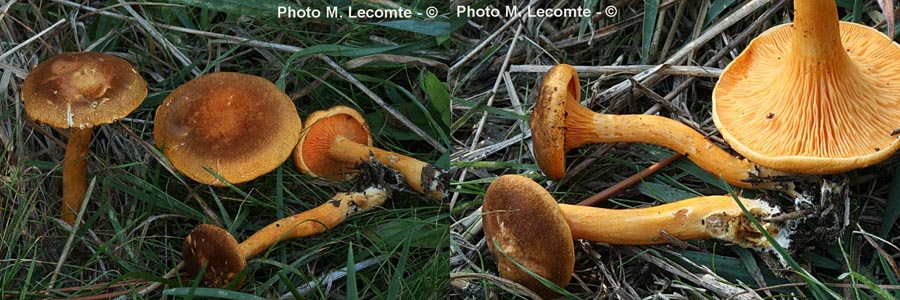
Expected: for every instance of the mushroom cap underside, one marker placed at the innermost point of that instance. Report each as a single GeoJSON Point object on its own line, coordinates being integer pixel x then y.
{"type": "Point", "coordinates": [812, 116]}
{"type": "Point", "coordinates": [560, 84]}
{"type": "Point", "coordinates": [524, 220]}
{"type": "Point", "coordinates": [82, 89]}
{"type": "Point", "coordinates": [214, 247]}
{"type": "Point", "coordinates": [322, 127]}
{"type": "Point", "coordinates": [239, 126]}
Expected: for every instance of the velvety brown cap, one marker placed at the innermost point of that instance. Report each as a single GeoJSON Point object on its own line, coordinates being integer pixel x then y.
{"type": "Point", "coordinates": [525, 221]}
{"type": "Point", "coordinates": [83, 90]}
{"type": "Point", "coordinates": [311, 154]}
{"type": "Point", "coordinates": [548, 119]}
{"type": "Point", "coordinates": [239, 126]}
{"type": "Point", "coordinates": [218, 250]}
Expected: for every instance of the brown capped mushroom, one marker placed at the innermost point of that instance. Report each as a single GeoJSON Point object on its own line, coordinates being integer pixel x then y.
{"type": "Point", "coordinates": [239, 126]}
{"type": "Point", "coordinates": [528, 226]}
{"type": "Point", "coordinates": [336, 139]}
{"type": "Point", "coordinates": [215, 249]}
{"type": "Point", "coordinates": [78, 91]}
{"type": "Point", "coordinates": [816, 96]}
{"type": "Point", "coordinates": [560, 123]}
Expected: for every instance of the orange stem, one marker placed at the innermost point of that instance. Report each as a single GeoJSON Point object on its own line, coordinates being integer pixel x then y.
{"type": "Point", "coordinates": [695, 218]}
{"type": "Point", "coordinates": [420, 176]}
{"type": "Point", "coordinates": [313, 221]}
{"type": "Point", "coordinates": [74, 173]}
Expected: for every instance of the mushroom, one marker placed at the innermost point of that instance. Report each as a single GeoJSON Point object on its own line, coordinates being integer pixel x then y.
{"type": "Point", "coordinates": [336, 139]}
{"type": "Point", "coordinates": [238, 126]}
{"type": "Point", "coordinates": [816, 96]}
{"type": "Point", "coordinates": [560, 123]}
{"type": "Point", "coordinates": [523, 222]}
{"type": "Point", "coordinates": [213, 248]}
{"type": "Point", "coordinates": [78, 91]}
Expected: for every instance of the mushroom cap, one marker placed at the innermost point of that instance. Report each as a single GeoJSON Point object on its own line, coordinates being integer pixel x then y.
{"type": "Point", "coordinates": [528, 225]}
{"type": "Point", "coordinates": [548, 119]}
{"type": "Point", "coordinates": [82, 89]}
{"type": "Point", "coordinates": [239, 126]}
{"type": "Point", "coordinates": [812, 116]}
{"type": "Point", "coordinates": [215, 247]}
{"type": "Point", "coordinates": [311, 154]}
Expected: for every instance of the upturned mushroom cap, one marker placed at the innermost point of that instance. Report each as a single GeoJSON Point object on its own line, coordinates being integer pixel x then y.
{"type": "Point", "coordinates": [549, 116]}
{"type": "Point", "coordinates": [239, 126]}
{"type": "Point", "coordinates": [214, 247]}
{"type": "Point", "coordinates": [814, 96]}
{"type": "Point", "coordinates": [322, 127]}
{"type": "Point", "coordinates": [82, 90]}
{"type": "Point", "coordinates": [526, 222]}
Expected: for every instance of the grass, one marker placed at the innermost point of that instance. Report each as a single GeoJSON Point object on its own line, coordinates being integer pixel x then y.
{"type": "Point", "coordinates": [140, 211]}
{"type": "Point", "coordinates": [490, 114]}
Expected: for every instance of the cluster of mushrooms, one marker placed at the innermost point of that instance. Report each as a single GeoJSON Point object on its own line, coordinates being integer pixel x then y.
{"type": "Point", "coordinates": [814, 97]}
{"type": "Point", "coordinates": [218, 128]}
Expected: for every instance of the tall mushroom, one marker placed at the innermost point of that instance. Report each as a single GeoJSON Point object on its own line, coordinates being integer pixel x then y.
{"type": "Point", "coordinates": [528, 226]}
{"type": "Point", "coordinates": [560, 123]}
{"type": "Point", "coordinates": [816, 96]}
{"type": "Point", "coordinates": [336, 139]}
{"type": "Point", "coordinates": [78, 91]}
{"type": "Point", "coordinates": [213, 248]}
{"type": "Point", "coordinates": [239, 126]}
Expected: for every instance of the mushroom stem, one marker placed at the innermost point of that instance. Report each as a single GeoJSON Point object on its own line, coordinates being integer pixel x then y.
{"type": "Point", "coordinates": [213, 248]}
{"type": "Point", "coordinates": [584, 126]}
{"type": "Point", "coordinates": [74, 173]}
{"type": "Point", "coordinates": [313, 221]}
{"type": "Point", "coordinates": [695, 218]}
{"type": "Point", "coordinates": [420, 176]}
{"type": "Point", "coordinates": [816, 31]}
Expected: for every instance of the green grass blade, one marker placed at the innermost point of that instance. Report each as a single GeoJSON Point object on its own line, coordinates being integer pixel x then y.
{"type": "Point", "coordinates": [651, 9]}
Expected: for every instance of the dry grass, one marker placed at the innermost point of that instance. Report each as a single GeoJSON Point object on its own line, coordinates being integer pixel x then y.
{"type": "Point", "coordinates": [494, 81]}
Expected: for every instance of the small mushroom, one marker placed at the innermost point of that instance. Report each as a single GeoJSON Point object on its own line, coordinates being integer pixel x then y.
{"type": "Point", "coordinates": [337, 139]}
{"type": "Point", "coordinates": [528, 226]}
{"type": "Point", "coordinates": [78, 91]}
{"type": "Point", "coordinates": [560, 123]}
{"type": "Point", "coordinates": [239, 126]}
{"type": "Point", "coordinates": [215, 249]}
{"type": "Point", "coordinates": [817, 96]}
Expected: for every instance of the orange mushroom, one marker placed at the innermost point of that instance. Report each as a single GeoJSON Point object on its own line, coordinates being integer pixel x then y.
{"type": "Point", "coordinates": [239, 126]}
{"type": "Point", "coordinates": [213, 248]}
{"type": "Point", "coordinates": [816, 96]}
{"type": "Point", "coordinates": [337, 139]}
{"type": "Point", "coordinates": [527, 225]}
{"type": "Point", "coordinates": [78, 91]}
{"type": "Point", "coordinates": [560, 123]}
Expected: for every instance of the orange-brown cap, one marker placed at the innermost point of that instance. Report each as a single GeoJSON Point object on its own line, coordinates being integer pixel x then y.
{"type": "Point", "coordinates": [239, 126]}
{"type": "Point", "coordinates": [311, 154]}
{"type": "Point", "coordinates": [816, 96]}
{"type": "Point", "coordinates": [82, 89]}
{"type": "Point", "coordinates": [215, 248]}
{"type": "Point", "coordinates": [526, 222]}
{"type": "Point", "coordinates": [549, 116]}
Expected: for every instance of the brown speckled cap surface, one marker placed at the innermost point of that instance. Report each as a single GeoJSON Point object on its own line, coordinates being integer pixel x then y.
{"type": "Point", "coordinates": [215, 247]}
{"type": "Point", "coordinates": [82, 90]}
{"type": "Point", "coordinates": [239, 126]}
{"type": "Point", "coordinates": [525, 221]}
{"type": "Point", "coordinates": [548, 118]}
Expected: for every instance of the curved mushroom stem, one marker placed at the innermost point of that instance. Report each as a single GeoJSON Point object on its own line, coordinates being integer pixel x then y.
{"type": "Point", "coordinates": [313, 221]}
{"type": "Point", "coordinates": [695, 218]}
{"type": "Point", "coordinates": [74, 173]}
{"type": "Point", "coordinates": [584, 126]}
{"type": "Point", "coordinates": [215, 249]}
{"type": "Point", "coordinates": [420, 176]}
